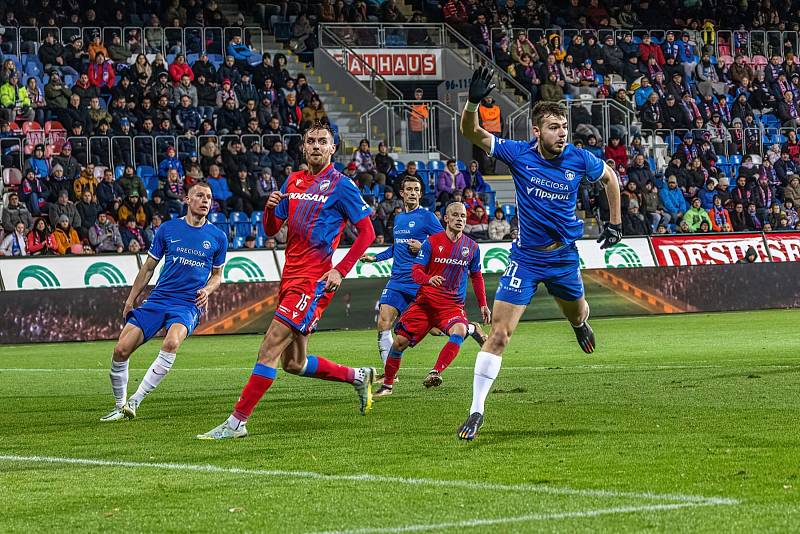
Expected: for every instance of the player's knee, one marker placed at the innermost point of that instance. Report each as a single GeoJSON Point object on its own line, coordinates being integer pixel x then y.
{"type": "Point", "coordinates": [459, 329]}
{"type": "Point", "coordinates": [498, 339]}
{"type": "Point", "coordinates": [170, 344]}
{"type": "Point", "coordinates": [121, 352]}
{"type": "Point", "coordinates": [400, 343]}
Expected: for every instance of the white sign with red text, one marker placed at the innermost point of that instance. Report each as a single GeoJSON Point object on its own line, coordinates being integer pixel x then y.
{"type": "Point", "coordinates": [715, 249]}
{"type": "Point", "coordinates": [395, 64]}
{"type": "Point", "coordinates": [784, 246]}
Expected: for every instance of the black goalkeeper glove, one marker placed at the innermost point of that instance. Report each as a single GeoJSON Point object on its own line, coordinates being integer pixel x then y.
{"type": "Point", "coordinates": [481, 84]}
{"type": "Point", "coordinates": [611, 235]}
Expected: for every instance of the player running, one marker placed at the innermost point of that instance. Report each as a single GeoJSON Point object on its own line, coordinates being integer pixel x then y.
{"type": "Point", "coordinates": [440, 270]}
{"type": "Point", "coordinates": [547, 172]}
{"type": "Point", "coordinates": [194, 252]}
{"type": "Point", "coordinates": [315, 204]}
{"type": "Point", "coordinates": [411, 228]}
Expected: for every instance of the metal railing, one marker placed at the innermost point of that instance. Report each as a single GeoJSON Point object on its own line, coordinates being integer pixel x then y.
{"type": "Point", "coordinates": [439, 131]}
{"type": "Point", "coordinates": [377, 84]}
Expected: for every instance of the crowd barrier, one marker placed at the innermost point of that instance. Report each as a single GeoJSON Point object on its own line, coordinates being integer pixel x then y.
{"type": "Point", "coordinates": [254, 266]}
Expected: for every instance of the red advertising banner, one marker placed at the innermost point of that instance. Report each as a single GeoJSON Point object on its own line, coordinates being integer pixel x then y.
{"type": "Point", "coordinates": [784, 246]}
{"type": "Point", "coordinates": [714, 249]}
{"type": "Point", "coordinates": [394, 64]}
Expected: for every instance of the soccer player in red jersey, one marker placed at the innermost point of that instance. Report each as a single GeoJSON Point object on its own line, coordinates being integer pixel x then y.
{"type": "Point", "coordinates": [316, 204]}
{"type": "Point", "coordinates": [441, 270]}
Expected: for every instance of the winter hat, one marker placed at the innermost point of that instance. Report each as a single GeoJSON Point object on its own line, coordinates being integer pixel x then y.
{"type": "Point", "coordinates": [63, 218]}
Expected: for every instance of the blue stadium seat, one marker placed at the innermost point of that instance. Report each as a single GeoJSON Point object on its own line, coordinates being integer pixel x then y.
{"type": "Point", "coordinates": [238, 242]}
{"type": "Point", "coordinates": [192, 58]}
{"type": "Point", "coordinates": [257, 220]}
{"type": "Point", "coordinates": [399, 166]}
{"type": "Point", "coordinates": [436, 165]}
{"type": "Point", "coordinates": [145, 170]}
{"type": "Point", "coordinates": [339, 166]}
{"type": "Point", "coordinates": [151, 184]}
{"type": "Point", "coordinates": [216, 59]}
{"type": "Point", "coordinates": [118, 170]}
{"type": "Point", "coordinates": [219, 220]}
{"type": "Point", "coordinates": [421, 165]}
{"type": "Point", "coordinates": [260, 241]}
{"type": "Point", "coordinates": [509, 210]}
{"type": "Point", "coordinates": [460, 165]}
{"type": "Point", "coordinates": [241, 224]}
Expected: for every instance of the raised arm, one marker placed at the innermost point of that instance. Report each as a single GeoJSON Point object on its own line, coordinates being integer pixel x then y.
{"type": "Point", "coordinates": [480, 86]}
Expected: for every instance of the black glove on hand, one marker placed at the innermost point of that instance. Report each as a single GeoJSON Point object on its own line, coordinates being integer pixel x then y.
{"type": "Point", "coordinates": [611, 235]}
{"type": "Point", "coordinates": [481, 84]}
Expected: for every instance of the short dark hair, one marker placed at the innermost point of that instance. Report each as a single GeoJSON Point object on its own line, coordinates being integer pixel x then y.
{"type": "Point", "coordinates": [321, 125]}
{"type": "Point", "coordinates": [415, 179]}
{"type": "Point", "coordinates": [542, 109]}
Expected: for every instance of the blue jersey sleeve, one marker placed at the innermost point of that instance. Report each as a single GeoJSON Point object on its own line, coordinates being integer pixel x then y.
{"type": "Point", "coordinates": [424, 256]}
{"type": "Point", "coordinates": [282, 209]}
{"type": "Point", "coordinates": [222, 249]}
{"type": "Point", "coordinates": [434, 225]}
{"type": "Point", "coordinates": [385, 255]}
{"type": "Point", "coordinates": [351, 204]}
{"type": "Point", "coordinates": [507, 150]}
{"type": "Point", "coordinates": [475, 263]}
{"type": "Point", "coordinates": [594, 166]}
{"type": "Point", "coordinates": [159, 246]}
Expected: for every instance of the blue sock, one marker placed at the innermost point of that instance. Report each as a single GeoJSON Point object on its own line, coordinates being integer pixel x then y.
{"type": "Point", "coordinates": [455, 338]}
{"type": "Point", "coordinates": [311, 366]}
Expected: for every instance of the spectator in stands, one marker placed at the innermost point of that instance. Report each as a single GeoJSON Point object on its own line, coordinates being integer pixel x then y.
{"type": "Point", "coordinates": [56, 95]}
{"type": "Point", "coordinates": [371, 191]}
{"type": "Point", "coordinates": [474, 180]}
{"type": "Point", "coordinates": [763, 196]}
{"type": "Point", "coordinates": [244, 191]}
{"type": "Point", "coordinates": [470, 200]}
{"type": "Point", "coordinates": [101, 74]}
{"type": "Point", "coordinates": [265, 186]}
{"type": "Point", "coordinates": [776, 217]}
{"type": "Point", "coordinates": [455, 14]}
{"type": "Point", "coordinates": [787, 110]}
{"type": "Point", "coordinates": [257, 159]}
{"type": "Point", "coordinates": [739, 218]}
{"type": "Point", "coordinates": [291, 114]}
{"type": "Point", "coordinates": [792, 191]}
{"type": "Point", "coordinates": [65, 235]}
{"type": "Point", "coordinates": [157, 207]}
{"type": "Point", "coordinates": [719, 216]}
{"type": "Point", "coordinates": [673, 200]}
{"type": "Point", "coordinates": [384, 163]}
{"type": "Point", "coordinates": [142, 69]}
{"type": "Point", "coordinates": [245, 90]}
{"type": "Point", "coordinates": [418, 121]}
{"type": "Point", "coordinates": [96, 47]}
{"type": "Point", "coordinates": [131, 182]}
{"type": "Point", "coordinates": [491, 119]}
{"type": "Point", "coordinates": [171, 161]}
{"type": "Point", "coordinates": [499, 229]}
{"type": "Point", "coordinates": [240, 53]}
{"type": "Point", "coordinates": [15, 243]}
{"type": "Point", "coordinates": [477, 226]}
{"type": "Point", "coordinates": [450, 180]}
{"type": "Point", "coordinates": [132, 232]}
{"type": "Point", "coordinates": [633, 222]}
{"type": "Point", "coordinates": [411, 170]}
{"type": "Point", "coordinates": [313, 112]}
{"type": "Point", "coordinates": [187, 117]}
{"type": "Point", "coordinates": [39, 240]}
{"type": "Point", "coordinates": [118, 52]}
{"type": "Point", "coordinates": [36, 97]}
{"type": "Point", "coordinates": [363, 158]}
{"type": "Point", "coordinates": [752, 220]}
{"type": "Point", "coordinates": [229, 120]}
{"type": "Point", "coordinates": [33, 192]}
{"type": "Point", "coordinates": [639, 171]}
{"type": "Point", "coordinates": [178, 69]}
{"type": "Point", "coordinates": [616, 151]}
{"type": "Point", "coordinates": [63, 206]}
{"type": "Point", "coordinates": [219, 188]}
{"type": "Point", "coordinates": [502, 55]}
{"type": "Point", "coordinates": [15, 101]}
{"type": "Point", "coordinates": [388, 205]}
{"type": "Point", "coordinates": [173, 190]}
{"type": "Point", "coordinates": [16, 212]}
{"type": "Point", "coordinates": [278, 157]}
{"type": "Point", "coordinates": [88, 210]}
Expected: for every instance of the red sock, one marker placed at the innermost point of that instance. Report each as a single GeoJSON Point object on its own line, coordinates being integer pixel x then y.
{"type": "Point", "coordinates": [260, 381]}
{"type": "Point", "coordinates": [446, 356]}
{"type": "Point", "coordinates": [319, 367]}
{"type": "Point", "coordinates": [391, 367]}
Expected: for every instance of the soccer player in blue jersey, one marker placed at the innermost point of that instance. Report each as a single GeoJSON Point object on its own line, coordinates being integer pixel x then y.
{"type": "Point", "coordinates": [411, 228]}
{"type": "Point", "coordinates": [546, 172]}
{"type": "Point", "coordinates": [194, 252]}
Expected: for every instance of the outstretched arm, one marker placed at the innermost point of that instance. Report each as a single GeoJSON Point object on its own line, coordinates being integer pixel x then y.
{"type": "Point", "coordinates": [480, 87]}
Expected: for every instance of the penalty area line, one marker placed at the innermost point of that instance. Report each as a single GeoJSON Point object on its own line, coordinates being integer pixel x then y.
{"type": "Point", "coordinates": [366, 477]}
{"type": "Point", "coordinates": [472, 523]}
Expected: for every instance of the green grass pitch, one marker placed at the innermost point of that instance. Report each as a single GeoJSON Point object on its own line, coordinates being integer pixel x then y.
{"type": "Point", "coordinates": [677, 423]}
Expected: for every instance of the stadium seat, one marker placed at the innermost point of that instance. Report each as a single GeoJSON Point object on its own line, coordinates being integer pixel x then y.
{"type": "Point", "coordinates": [509, 210]}
{"type": "Point", "coordinates": [118, 170]}
{"type": "Point", "coordinates": [145, 170]}
{"type": "Point", "coordinates": [436, 165]}
{"type": "Point", "coordinates": [31, 126]}
{"type": "Point", "coordinates": [260, 241]}
{"type": "Point", "coordinates": [421, 165]}
{"type": "Point", "coordinates": [238, 242]}
{"type": "Point", "coordinates": [220, 221]}
{"type": "Point", "coordinates": [257, 220]}
{"type": "Point", "coordinates": [151, 184]}
{"type": "Point", "coordinates": [399, 167]}
{"type": "Point", "coordinates": [460, 165]}
{"type": "Point", "coordinates": [241, 224]}
{"type": "Point", "coordinates": [12, 177]}
{"type": "Point", "coordinates": [339, 166]}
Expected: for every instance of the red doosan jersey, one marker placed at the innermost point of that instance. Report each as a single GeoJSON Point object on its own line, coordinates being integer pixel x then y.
{"type": "Point", "coordinates": [452, 260]}
{"type": "Point", "coordinates": [316, 209]}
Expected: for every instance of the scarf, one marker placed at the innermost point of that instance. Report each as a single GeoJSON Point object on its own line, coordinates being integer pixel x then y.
{"type": "Point", "coordinates": [718, 215]}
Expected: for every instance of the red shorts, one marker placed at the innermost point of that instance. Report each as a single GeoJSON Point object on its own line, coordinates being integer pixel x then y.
{"type": "Point", "coordinates": [301, 303]}
{"type": "Point", "coordinates": [422, 315]}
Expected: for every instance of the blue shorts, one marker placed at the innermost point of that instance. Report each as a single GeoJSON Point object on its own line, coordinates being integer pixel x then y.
{"type": "Point", "coordinates": [399, 300]}
{"type": "Point", "coordinates": [152, 317]}
{"type": "Point", "coordinates": [559, 270]}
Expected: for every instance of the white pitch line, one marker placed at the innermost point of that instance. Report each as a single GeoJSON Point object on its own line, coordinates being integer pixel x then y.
{"type": "Point", "coordinates": [470, 523]}
{"type": "Point", "coordinates": [462, 484]}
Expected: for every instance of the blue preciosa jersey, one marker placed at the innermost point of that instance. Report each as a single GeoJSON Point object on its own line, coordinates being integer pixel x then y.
{"type": "Point", "coordinates": [546, 190]}
{"type": "Point", "coordinates": [190, 253]}
{"type": "Point", "coordinates": [418, 224]}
